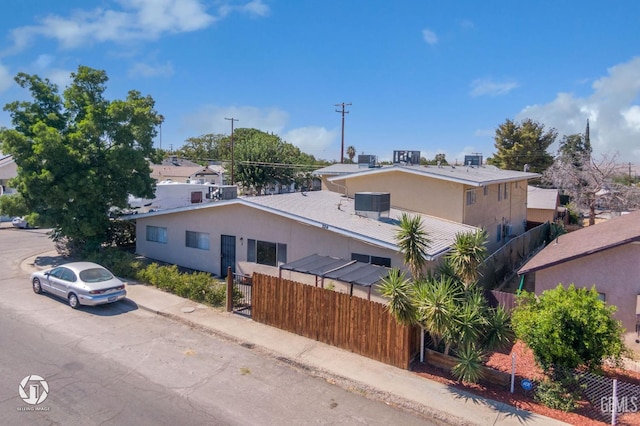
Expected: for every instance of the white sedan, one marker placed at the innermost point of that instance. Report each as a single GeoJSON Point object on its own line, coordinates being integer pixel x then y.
{"type": "Point", "coordinates": [20, 222]}
{"type": "Point", "coordinates": [80, 283]}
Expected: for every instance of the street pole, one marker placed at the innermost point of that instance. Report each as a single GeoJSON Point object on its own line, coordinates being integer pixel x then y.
{"type": "Point", "coordinates": [343, 113]}
{"type": "Point", "coordinates": [232, 160]}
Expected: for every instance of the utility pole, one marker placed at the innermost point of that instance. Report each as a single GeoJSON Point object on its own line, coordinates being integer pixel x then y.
{"type": "Point", "coordinates": [343, 113]}
{"type": "Point", "coordinates": [232, 120]}
{"type": "Point", "coordinates": [161, 119]}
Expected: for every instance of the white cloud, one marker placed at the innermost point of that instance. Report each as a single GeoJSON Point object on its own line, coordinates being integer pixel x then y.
{"type": "Point", "coordinates": [315, 141]}
{"type": "Point", "coordinates": [60, 77]}
{"type": "Point", "coordinates": [612, 110]}
{"type": "Point", "coordinates": [135, 20]}
{"type": "Point", "coordinates": [212, 119]}
{"type": "Point", "coordinates": [6, 79]}
{"type": "Point", "coordinates": [147, 70]}
{"type": "Point", "coordinates": [486, 86]}
{"type": "Point", "coordinates": [429, 36]}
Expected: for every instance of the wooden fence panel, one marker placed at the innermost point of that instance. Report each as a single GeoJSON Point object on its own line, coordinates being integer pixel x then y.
{"type": "Point", "coordinates": [351, 323]}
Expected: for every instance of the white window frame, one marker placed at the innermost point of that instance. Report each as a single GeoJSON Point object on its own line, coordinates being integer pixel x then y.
{"type": "Point", "coordinates": [197, 240]}
{"type": "Point", "coordinates": [156, 234]}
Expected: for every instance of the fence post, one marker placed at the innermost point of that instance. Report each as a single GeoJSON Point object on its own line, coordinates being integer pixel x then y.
{"type": "Point", "coordinates": [614, 405]}
{"type": "Point", "coordinates": [229, 290]}
{"type": "Point", "coordinates": [513, 370]}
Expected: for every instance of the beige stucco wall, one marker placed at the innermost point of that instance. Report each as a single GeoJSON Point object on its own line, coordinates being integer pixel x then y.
{"type": "Point", "coordinates": [614, 272]}
{"type": "Point", "coordinates": [447, 200]}
{"type": "Point", "coordinates": [435, 197]}
{"type": "Point", "coordinates": [245, 223]}
{"type": "Point", "coordinates": [541, 215]}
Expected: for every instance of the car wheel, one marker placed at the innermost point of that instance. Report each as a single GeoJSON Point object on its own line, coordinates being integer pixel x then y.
{"type": "Point", "coordinates": [73, 301]}
{"type": "Point", "coordinates": [37, 288]}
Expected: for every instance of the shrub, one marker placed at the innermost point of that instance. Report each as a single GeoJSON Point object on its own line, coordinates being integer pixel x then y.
{"type": "Point", "coordinates": [470, 364]}
{"type": "Point", "coordinates": [559, 394]}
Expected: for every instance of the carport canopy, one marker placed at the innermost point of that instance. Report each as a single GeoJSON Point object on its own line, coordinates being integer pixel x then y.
{"type": "Point", "coordinates": [348, 271]}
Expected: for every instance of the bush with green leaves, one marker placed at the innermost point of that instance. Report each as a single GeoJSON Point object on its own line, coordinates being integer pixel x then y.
{"type": "Point", "coordinates": [568, 327]}
{"type": "Point", "coordinates": [560, 394]}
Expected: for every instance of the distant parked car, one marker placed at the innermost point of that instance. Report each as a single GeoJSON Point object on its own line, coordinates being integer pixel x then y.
{"type": "Point", "coordinates": [20, 222]}
{"type": "Point", "coordinates": [80, 283]}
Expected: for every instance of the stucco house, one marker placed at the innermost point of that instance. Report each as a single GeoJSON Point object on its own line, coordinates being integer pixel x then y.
{"type": "Point", "coordinates": [480, 196]}
{"type": "Point", "coordinates": [542, 205]}
{"type": "Point", "coordinates": [180, 170]}
{"type": "Point", "coordinates": [604, 255]}
{"type": "Point", "coordinates": [260, 233]}
{"type": "Point", "coordinates": [8, 170]}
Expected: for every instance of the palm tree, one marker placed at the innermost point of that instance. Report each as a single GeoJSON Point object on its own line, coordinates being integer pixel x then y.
{"type": "Point", "coordinates": [351, 152]}
{"type": "Point", "coordinates": [437, 301]}
{"type": "Point", "coordinates": [467, 254]}
{"type": "Point", "coordinates": [413, 244]}
{"type": "Point", "coordinates": [400, 293]}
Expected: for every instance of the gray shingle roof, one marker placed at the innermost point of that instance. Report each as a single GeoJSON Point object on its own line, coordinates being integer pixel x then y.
{"type": "Point", "coordinates": [472, 175]}
{"type": "Point", "coordinates": [602, 236]}
{"type": "Point", "coordinates": [338, 213]}
{"type": "Point", "coordinates": [320, 209]}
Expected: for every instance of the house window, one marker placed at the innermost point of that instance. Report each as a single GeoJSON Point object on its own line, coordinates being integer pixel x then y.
{"type": "Point", "coordinates": [157, 234]}
{"type": "Point", "coordinates": [471, 196]}
{"type": "Point", "coordinates": [499, 192]}
{"type": "Point", "coordinates": [266, 253]}
{"type": "Point", "coordinates": [506, 193]}
{"type": "Point", "coordinates": [199, 240]}
{"type": "Point", "coordinates": [499, 233]}
{"type": "Point", "coordinates": [602, 296]}
{"type": "Point", "coordinates": [374, 260]}
{"type": "Point", "coordinates": [196, 197]}
{"type": "Point", "coordinates": [485, 190]}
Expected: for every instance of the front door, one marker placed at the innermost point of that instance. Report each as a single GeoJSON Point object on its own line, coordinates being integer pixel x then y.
{"type": "Point", "coordinates": [228, 254]}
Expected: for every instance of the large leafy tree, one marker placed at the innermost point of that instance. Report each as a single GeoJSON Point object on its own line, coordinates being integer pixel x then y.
{"type": "Point", "coordinates": [524, 143]}
{"type": "Point", "coordinates": [568, 327]}
{"type": "Point", "coordinates": [206, 147]}
{"type": "Point", "coordinates": [79, 154]}
{"type": "Point", "coordinates": [262, 158]}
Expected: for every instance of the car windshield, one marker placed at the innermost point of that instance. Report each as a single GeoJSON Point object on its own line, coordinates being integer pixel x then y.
{"type": "Point", "coordinates": [95, 275]}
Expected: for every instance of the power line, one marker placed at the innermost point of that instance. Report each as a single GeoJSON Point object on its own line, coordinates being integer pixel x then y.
{"type": "Point", "coordinates": [343, 113]}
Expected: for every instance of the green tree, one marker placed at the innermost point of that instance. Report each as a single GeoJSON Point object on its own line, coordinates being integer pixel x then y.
{"type": "Point", "coordinates": [262, 159]}
{"type": "Point", "coordinates": [467, 254]}
{"type": "Point", "coordinates": [521, 144]}
{"type": "Point", "coordinates": [568, 327]}
{"type": "Point", "coordinates": [206, 147]}
{"type": "Point", "coordinates": [79, 154]}
{"type": "Point", "coordinates": [351, 153]}
{"type": "Point", "coordinates": [413, 243]}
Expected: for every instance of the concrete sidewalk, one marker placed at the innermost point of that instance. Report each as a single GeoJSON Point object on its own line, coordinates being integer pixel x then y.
{"type": "Point", "coordinates": [372, 378]}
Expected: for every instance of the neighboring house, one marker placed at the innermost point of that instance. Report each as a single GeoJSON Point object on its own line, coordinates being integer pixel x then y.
{"type": "Point", "coordinates": [185, 171]}
{"type": "Point", "coordinates": [480, 196]}
{"type": "Point", "coordinates": [8, 170]}
{"type": "Point", "coordinates": [542, 205]}
{"type": "Point", "coordinates": [170, 195]}
{"type": "Point", "coordinates": [604, 255]}
{"type": "Point", "coordinates": [261, 233]}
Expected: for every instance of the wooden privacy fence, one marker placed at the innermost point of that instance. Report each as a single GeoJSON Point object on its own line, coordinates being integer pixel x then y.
{"type": "Point", "coordinates": [351, 323]}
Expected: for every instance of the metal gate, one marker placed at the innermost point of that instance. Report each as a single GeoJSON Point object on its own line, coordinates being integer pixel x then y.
{"type": "Point", "coordinates": [242, 294]}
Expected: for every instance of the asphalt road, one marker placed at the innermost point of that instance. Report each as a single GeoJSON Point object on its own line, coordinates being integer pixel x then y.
{"type": "Point", "coordinates": [119, 365]}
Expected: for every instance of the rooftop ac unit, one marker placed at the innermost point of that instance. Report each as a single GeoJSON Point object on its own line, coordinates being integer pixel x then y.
{"type": "Point", "coordinates": [373, 204]}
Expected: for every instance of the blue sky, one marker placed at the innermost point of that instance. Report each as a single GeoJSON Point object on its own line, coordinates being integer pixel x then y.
{"type": "Point", "coordinates": [437, 77]}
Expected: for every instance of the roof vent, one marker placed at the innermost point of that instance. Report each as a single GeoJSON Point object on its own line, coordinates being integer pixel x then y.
{"type": "Point", "coordinates": [373, 205]}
